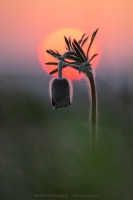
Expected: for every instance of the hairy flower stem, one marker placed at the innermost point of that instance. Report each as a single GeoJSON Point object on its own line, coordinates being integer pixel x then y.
{"type": "Point", "coordinates": [93, 112]}
{"type": "Point", "coordinates": [60, 65]}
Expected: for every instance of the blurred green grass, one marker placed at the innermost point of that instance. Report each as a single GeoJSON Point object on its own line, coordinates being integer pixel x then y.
{"type": "Point", "coordinates": [45, 151]}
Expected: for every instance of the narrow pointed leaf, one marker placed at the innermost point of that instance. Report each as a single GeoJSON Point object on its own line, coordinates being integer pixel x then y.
{"type": "Point", "coordinates": [51, 52]}
{"type": "Point", "coordinates": [80, 49]}
{"type": "Point", "coordinates": [93, 57]}
{"type": "Point", "coordinates": [78, 52]}
{"type": "Point", "coordinates": [83, 36]}
{"type": "Point", "coordinates": [92, 38]}
{"type": "Point", "coordinates": [47, 51]}
{"type": "Point", "coordinates": [55, 55]}
{"type": "Point", "coordinates": [84, 41]}
{"type": "Point", "coordinates": [51, 63]}
{"type": "Point", "coordinates": [70, 44]}
{"type": "Point", "coordinates": [79, 42]}
{"type": "Point", "coordinates": [57, 51]}
{"type": "Point", "coordinates": [66, 40]}
{"type": "Point", "coordinates": [56, 70]}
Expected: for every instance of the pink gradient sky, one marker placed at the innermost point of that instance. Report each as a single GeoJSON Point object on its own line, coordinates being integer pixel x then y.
{"type": "Point", "coordinates": [23, 24]}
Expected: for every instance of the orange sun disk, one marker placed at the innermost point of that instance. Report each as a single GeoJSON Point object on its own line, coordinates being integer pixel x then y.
{"type": "Point", "coordinates": [55, 41]}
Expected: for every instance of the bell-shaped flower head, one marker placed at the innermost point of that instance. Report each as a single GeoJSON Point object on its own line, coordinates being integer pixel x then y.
{"type": "Point", "coordinates": [60, 93]}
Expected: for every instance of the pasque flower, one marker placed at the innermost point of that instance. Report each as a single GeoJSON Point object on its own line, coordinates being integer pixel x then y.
{"type": "Point", "coordinates": [79, 60]}
{"type": "Point", "coordinates": [60, 90]}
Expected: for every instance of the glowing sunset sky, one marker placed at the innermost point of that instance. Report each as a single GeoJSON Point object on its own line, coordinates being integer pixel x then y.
{"type": "Point", "coordinates": [23, 24]}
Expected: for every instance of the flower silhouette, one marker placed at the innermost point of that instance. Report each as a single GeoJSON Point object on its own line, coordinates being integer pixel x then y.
{"type": "Point", "coordinates": [60, 93]}
{"type": "Point", "coordinates": [79, 60]}
{"type": "Point", "coordinates": [60, 90]}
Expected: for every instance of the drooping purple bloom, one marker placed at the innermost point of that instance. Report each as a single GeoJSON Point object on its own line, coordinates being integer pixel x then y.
{"type": "Point", "coordinates": [60, 93]}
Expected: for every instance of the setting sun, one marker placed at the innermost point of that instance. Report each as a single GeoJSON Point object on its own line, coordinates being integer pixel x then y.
{"type": "Point", "coordinates": [55, 41]}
